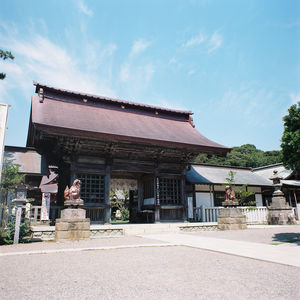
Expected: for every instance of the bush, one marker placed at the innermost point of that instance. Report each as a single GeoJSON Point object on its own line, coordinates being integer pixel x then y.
{"type": "Point", "coordinates": [125, 214]}
{"type": "Point", "coordinates": [7, 234]}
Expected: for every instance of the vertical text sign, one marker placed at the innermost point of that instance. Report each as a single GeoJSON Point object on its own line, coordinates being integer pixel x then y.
{"type": "Point", "coordinates": [45, 206]}
{"type": "Point", "coordinates": [157, 192]}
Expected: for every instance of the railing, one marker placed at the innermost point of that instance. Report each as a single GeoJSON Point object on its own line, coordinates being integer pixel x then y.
{"type": "Point", "coordinates": [254, 215]}
{"type": "Point", "coordinates": [35, 213]}
{"type": "Point", "coordinates": [96, 214]}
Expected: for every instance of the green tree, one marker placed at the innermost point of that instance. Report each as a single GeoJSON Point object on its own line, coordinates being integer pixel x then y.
{"type": "Point", "coordinates": [242, 194]}
{"type": "Point", "coordinates": [291, 139]}
{"type": "Point", "coordinates": [10, 178]}
{"type": "Point", "coordinates": [243, 156]}
{"type": "Point", "coordinates": [5, 55]}
{"type": "Point", "coordinates": [120, 203]}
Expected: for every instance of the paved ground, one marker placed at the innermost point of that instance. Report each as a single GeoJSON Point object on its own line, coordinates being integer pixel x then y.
{"type": "Point", "coordinates": [145, 273]}
{"type": "Point", "coordinates": [163, 272]}
{"type": "Point", "coordinates": [89, 244]}
{"type": "Point", "coordinates": [273, 235]}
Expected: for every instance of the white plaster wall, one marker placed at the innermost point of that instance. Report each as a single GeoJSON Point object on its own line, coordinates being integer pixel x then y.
{"type": "Point", "coordinates": [203, 199]}
{"type": "Point", "coordinates": [258, 199]}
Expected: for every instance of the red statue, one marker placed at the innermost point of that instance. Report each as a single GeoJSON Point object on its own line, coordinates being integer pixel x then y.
{"type": "Point", "coordinates": [72, 195]}
{"type": "Point", "coordinates": [230, 194]}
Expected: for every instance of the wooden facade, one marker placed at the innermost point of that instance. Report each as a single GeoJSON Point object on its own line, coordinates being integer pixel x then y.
{"type": "Point", "coordinates": [96, 139]}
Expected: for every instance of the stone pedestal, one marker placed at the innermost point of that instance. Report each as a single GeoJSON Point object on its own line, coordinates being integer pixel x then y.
{"type": "Point", "coordinates": [73, 225]}
{"type": "Point", "coordinates": [231, 218]}
{"type": "Point", "coordinates": [280, 213]}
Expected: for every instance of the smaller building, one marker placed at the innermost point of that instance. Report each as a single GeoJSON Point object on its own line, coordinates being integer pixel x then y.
{"type": "Point", "coordinates": [290, 184]}
{"type": "Point", "coordinates": [30, 163]}
{"type": "Point", "coordinates": [206, 184]}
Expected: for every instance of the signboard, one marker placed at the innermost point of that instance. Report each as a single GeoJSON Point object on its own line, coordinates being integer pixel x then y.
{"type": "Point", "coordinates": [3, 125]}
{"type": "Point", "coordinates": [45, 210]}
{"type": "Point", "coordinates": [157, 192]}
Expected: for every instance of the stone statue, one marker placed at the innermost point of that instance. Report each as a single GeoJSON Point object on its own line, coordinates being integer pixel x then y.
{"type": "Point", "coordinates": [72, 195]}
{"type": "Point", "coordinates": [72, 224]}
{"type": "Point", "coordinates": [230, 216]}
{"type": "Point", "coordinates": [230, 194]}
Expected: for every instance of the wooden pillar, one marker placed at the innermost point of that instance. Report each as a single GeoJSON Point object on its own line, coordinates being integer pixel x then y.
{"type": "Point", "coordinates": [107, 213]}
{"type": "Point", "coordinates": [183, 198]}
{"type": "Point", "coordinates": [157, 198]}
{"type": "Point", "coordinates": [140, 193]}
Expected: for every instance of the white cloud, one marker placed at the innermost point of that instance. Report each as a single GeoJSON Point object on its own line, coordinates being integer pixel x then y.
{"type": "Point", "coordinates": [84, 9]}
{"type": "Point", "coordinates": [136, 72]}
{"type": "Point", "coordinates": [211, 43]}
{"type": "Point", "coordinates": [38, 58]}
{"type": "Point", "coordinates": [149, 71]}
{"type": "Point", "coordinates": [194, 41]}
{"type": "Point", "coordinates": [124, 72]}
{"type": "Point", "coordinates": [173, 60]}
{"type": "Point", "coordinates": [295, 98]}
{"type": "Point", "coordinates": [215, 42]}
{"type": "Point", "coordinates": [191, 72]}
{"type": "Point", "coordinates": [139, 46]}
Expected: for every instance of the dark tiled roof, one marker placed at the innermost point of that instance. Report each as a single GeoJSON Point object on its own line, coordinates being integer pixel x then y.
{"type": "Point", "coordinates": [28, 160]}
{"type": "Point", "coordinates": [204, 174]}
{"type": "Point", "coordinates": [107, 99]}
{"type": "Point", "coordinates": [64, 112]}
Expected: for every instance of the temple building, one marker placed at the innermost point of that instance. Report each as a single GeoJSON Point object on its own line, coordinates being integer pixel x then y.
{"type": "Point", "coordinates": [104, 142]}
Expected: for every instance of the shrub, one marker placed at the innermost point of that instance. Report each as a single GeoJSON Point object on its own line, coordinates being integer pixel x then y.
{"type": "Point", "coordinates": [7, 234]}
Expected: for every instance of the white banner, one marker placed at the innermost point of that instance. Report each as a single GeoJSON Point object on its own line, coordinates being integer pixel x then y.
{"type": "Point", "coordinates": [3, 125]}
{"type": "Point", "coordinates": [45, 206]}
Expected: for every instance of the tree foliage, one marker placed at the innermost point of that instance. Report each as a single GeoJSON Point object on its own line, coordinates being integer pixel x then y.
{"type": "Point", "coordinates": [10, 178]}
{"type": "Point", "coordinates": [291, 138]}
{"type": "Point", "coordinates": [119, 200]}
{"type": "Point", "coordinates": [243, 195]}
{"type": "Point", "coordinates": [243, 156]}
{"type": "Point", "coordinates": [5, 55]}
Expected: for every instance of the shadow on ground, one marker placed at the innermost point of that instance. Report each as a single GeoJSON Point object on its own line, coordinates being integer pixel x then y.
{"type": "Point", "coordinates": [287, 237]}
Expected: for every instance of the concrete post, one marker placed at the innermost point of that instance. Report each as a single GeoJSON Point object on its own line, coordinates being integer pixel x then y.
{"type": "Point", "coordinates": [19, 203]}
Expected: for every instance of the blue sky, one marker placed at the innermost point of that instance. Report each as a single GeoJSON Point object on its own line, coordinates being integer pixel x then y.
{"type": "Point", "coordinates": [235, 64]}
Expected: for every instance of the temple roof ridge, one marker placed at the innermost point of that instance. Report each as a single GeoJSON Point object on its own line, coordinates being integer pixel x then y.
{"type": "Point", "coordinates": [110, 99]}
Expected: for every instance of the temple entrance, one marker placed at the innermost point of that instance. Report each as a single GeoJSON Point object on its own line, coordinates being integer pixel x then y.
{"type": "Point", "coordinates": [123, 200]}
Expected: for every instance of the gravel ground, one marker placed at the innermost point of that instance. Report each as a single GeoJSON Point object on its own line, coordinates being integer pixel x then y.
{"type": "Point", "coordinates": [101, 242]}
{"type": "Point", "coordinates": [145, 273]}
{"type": "Point", "coordinates": [275, 235]}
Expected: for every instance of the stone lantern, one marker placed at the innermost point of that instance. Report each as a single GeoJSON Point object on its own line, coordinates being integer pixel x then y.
{"type": "Point", "coordinates": [20, 200]}
{"type": "Point", "coordinates": [280, 212]}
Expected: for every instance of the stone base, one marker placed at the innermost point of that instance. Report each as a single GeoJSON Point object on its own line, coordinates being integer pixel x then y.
{"type": "Point", "coordinates": [230, 203]}
{"type": "Point", "coordinates": [231, 219]}
{"type": "Point", "coordinates": [280, 213]}
{"type": "Point", "coordinates": [75, 203]}
{"type": "Point", "coordinates": [281, 217]}
{"type": "Point", "coordinates": [73, 214]}
{"type": "Point", "coordinates": [73, 225]}
{"type": "Point", "coordinates": [72, 229]}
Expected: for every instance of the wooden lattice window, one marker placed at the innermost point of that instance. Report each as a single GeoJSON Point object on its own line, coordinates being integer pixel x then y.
{"type": "Point", "coordinates": [92, 188]}
{"type": "Point", "coordinates": [170, 191]}
{"type": "Point", "coordinates": [149, 188]}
